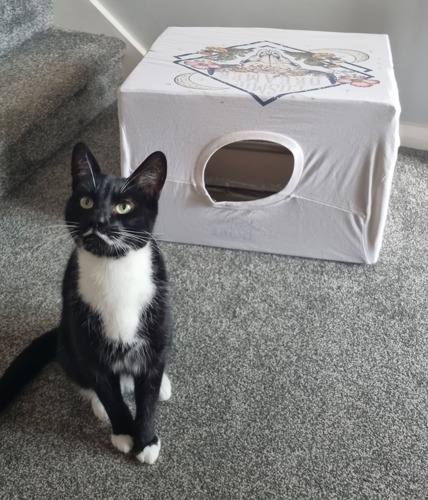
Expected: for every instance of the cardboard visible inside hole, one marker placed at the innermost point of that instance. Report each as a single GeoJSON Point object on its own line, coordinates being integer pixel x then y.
{"type": "Point", "coordinates": [248, 170]}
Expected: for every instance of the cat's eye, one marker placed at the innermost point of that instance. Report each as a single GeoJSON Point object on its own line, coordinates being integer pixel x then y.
{"type": "Point", "coordinates": [86, 202]}
{"type": "Point", "coordinates": [123, 208]}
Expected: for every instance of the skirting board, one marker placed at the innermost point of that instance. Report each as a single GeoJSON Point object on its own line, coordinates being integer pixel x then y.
{"type": "Point", "coordinates": [414, 135]}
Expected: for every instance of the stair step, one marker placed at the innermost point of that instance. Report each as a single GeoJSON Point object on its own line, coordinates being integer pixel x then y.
{"type": "Point", "coordinates": [21, 19]}
{"type": "Point", "coordinates": [55, 65]}
{"type": "Point", "coordinates": [50, 87]}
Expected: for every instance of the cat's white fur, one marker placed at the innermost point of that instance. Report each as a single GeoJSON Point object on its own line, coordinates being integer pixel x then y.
{"type": "Point", "coordinates": [118, 289]}
{"type": "Point", "coordinates": [127, 386]}
{"type": "Point", "coordinates": [104, 237]}
{"type": "Point", "coordinates": [123, 442]}
{"type": "Point", "coordinates": [98, 409]}
{"type": "Point", "coordinates": [150, 453]}
{"type": "Point", "coordinates": [165, 388]}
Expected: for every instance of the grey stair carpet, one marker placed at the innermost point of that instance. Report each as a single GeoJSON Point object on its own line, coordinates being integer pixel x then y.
{"type": "Point", "coordinates": [21, 19]}
{"type": "Point", "coordinates": [51, 85]}
{"type": "Point", "coordinates": [292, 378]}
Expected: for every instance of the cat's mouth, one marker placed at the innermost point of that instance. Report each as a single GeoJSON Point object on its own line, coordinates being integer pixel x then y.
{"type": "Point", "coordinates": [94, 234]}
{"type": "Point", "coordinates": [97, 242]}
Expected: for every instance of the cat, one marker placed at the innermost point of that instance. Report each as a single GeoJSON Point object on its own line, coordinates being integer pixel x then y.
{"type": "Point", "coordinates": [116, 327]}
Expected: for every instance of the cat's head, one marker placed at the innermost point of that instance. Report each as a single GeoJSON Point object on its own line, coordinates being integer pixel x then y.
{"type": "Point", "coordinates": [109, 216]}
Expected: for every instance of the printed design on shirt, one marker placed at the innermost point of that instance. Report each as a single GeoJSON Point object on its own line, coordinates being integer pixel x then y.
{"type": "Point", "coordinates": [268, 70]}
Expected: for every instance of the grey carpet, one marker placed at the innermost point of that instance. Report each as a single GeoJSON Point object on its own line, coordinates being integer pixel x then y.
{"type": "Point", "coordinates": [21, 19]}
{"type": "Point", "coordinates": [291, 378]}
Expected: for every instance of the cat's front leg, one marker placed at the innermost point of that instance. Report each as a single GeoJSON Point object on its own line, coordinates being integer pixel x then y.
{"type": "Point", "coordinates": [146, 443]}
{"type": "Point", "coordinates": [110, 395]}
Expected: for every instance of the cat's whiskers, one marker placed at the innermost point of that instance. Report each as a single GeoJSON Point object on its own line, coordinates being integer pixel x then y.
{"type": "Point", "coordinates": [62, 224]}
{"type": "Point", "coordinates": [54, 226]}
{"type": "Point", "coordinates": [135, 236]}
{"type": "Point", "coordinates": [135, 241]}
{"type": "Point", "coordinates": [119, 245]}
{"type": "Point", "coordinates": [152, 235]}
{"type": "Point", "coordinates": [36, 251]}
{"type": "Point", "coordinates": [90, 168]}
{"type": "Point", "coordinates": [68, 227]}
{"type": "Point", "coordinates": [117, 240]}
{"type": "Point", "coordinates": [127, 185]}
{"type": "Point", "coordinates": [53, 240]}
{"type": "Point", "coordinates": [143, 232]}
{"type": "Point", "coordinates": [132, 233]}
{"type": "Point", "coordinates": [126, 246]}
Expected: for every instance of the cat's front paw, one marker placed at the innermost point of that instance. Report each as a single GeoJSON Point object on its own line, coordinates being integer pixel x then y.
{"type": "Point", "coordinates": [150, 453]}
{"type": "Point", "coordinates": [122, 442]}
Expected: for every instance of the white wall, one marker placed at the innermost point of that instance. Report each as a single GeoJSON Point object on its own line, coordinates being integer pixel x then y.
{"type": "Point", "coordinates": [82, 15]}
{"type": "Point", "coordinates": [405, 21]}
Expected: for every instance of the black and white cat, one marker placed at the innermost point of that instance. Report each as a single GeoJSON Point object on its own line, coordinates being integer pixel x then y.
{"type": "Point", "coordinates": [116, 324]}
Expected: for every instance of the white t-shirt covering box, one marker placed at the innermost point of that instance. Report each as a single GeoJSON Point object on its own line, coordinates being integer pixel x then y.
{"type": "Point", "coordinates": [330, 100]}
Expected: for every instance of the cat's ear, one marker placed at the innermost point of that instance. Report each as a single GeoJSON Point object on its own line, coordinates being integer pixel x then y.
{"type": "Point", "coordinates": [83, 165]}
{"type": "Point", "coordinates": [150, 175]}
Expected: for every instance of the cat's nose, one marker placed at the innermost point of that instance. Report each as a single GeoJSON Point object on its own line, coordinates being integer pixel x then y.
{"type": "Point", "coordinates": [101, 224]}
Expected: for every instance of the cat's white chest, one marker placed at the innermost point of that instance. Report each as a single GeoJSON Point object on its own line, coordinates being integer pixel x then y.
{"type": "Point", "coordinates": [118, 289]}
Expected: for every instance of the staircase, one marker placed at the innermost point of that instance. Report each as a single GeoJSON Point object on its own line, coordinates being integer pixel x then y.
{"type": "Point", "coordinates": [52, 83]}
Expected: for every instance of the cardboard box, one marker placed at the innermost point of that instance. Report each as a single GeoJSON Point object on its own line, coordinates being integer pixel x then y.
{"type": "Point", "coordinates": [277, 141]}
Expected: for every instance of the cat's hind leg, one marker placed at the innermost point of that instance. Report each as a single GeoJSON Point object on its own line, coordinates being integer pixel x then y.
{"type": "Point", "coordinates": [99, 410]}
{"type": "Point", "coordinates": [165, 388]}
{"type": "Point", "coordinates": [97, 406]}
{"type": "Point", "coordinates": [127, 386]}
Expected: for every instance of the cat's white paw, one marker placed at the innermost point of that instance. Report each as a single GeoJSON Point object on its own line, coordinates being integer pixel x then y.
{"type": "Point", "coordinates": [165, 389]}
{"type": "Point", "coordinates": [99, 410]}
{"type": "Point", "coordinates": [122, 442]}
{"type": "Point", "coordinates": [150, 453]}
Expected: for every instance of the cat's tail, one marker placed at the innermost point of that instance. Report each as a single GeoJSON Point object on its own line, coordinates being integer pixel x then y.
{"type": "Point", "coordinates": [26, 366]}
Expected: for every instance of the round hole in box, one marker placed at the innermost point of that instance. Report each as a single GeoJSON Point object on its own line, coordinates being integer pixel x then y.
{"type": "Point", "coordinates": [248, 170]}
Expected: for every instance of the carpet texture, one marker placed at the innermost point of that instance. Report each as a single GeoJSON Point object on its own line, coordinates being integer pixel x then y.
{"type": "Point", "coordinates": [20, 19]}
{"type": "Point", "coordinates": [291, 378]}
{"type": "Point", "coordinates": [48, 77]}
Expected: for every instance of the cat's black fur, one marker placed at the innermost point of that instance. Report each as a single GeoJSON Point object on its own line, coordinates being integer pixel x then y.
{"type": "Point", "coordinates": [89, 358]}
